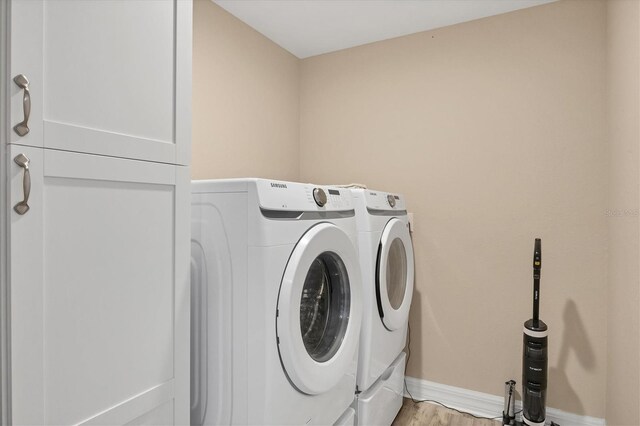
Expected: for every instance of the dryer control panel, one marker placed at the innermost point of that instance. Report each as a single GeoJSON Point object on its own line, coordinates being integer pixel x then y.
{"type": "Point", "coordinates": [377, 200]}
{"type": "Point", "coordinates": [293, 196]}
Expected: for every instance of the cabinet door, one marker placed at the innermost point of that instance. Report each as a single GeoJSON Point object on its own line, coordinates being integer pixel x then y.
{"type": "Point", "coordinates": [99, 290]}
{"type": "Point", "coordinates": [105, 77]}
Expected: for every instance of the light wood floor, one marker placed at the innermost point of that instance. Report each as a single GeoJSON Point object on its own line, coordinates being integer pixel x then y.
{"type": "Point", "coordinates": [426, 414]}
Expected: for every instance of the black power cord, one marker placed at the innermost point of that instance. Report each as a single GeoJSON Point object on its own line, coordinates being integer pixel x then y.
{"type": "Point", "coordinates": [415, 401]}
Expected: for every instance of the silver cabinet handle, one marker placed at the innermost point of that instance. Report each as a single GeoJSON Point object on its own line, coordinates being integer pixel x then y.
{"type": "Point", "coordinates": [22, 128]}
{"type": "Point", "coordinates": [22, 207]}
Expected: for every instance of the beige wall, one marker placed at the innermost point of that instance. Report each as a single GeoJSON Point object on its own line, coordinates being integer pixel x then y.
{"type": "Point", "coordinates": [495, 130]}
{"type": "Point", "coordinates": [623, 346]}
{"type": "Point", "coordinates": [245, 100]}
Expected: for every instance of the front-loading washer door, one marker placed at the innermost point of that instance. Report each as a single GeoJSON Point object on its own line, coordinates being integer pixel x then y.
{"type": "Point", "coordinates": [319, 309]}
{"type": "Point", "coordinates": [394, 274]}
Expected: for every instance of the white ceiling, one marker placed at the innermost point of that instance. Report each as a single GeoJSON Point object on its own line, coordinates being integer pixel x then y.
{"type": "Point", "coordinates": [312, 27]}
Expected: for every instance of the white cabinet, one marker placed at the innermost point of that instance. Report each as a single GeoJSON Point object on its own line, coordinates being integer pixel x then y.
{"type": "Point", "coordinates": [98, 281]}
{"type": "Point", "coordinates": [109, 77]}
{"type": "Point", "coordinates": [99, 289]}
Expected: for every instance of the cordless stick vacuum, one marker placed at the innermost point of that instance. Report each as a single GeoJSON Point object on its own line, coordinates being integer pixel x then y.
{"type": "Point", "coordinates": [534, 354]}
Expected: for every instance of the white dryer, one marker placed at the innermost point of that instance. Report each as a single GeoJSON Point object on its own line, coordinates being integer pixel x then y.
{"type": "Point", "coordinates": [276, 303]}
{"type": "Point", "coordinates": [387, 263]}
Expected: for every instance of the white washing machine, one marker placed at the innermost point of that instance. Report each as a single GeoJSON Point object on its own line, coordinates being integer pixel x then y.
{"type": "Point", "coordinates": [276, 303]}
{"type": "Point", "coordinates": [387, 263]}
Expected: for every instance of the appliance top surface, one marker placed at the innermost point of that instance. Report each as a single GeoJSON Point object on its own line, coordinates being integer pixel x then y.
{"type": "Point", "coordinates": [380, 201]}
{"type": "Point", "coordinates": [220, 185]}
{"type": "Point", "coordinates": [282, 195]}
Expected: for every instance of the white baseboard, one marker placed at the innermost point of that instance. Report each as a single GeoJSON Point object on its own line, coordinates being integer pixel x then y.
{"type": "Point", "coordinates": [484, 404]}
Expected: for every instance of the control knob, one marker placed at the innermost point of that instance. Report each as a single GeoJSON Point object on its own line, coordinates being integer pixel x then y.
{"type": "Point", "coordinates": [391, 200]}
{"type": "Point", "coordinates": [319, 196]}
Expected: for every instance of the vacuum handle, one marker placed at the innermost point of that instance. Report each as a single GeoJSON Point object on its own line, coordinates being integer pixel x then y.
{"type": "Point", "coordinates": [537, 266]}
{"type": "Point", "coordinates": [537, 257]}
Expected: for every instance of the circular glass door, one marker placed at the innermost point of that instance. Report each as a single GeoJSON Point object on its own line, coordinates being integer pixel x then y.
{"type": "Point", "coordinates": [324, 306]}
{"type": "Point", "coordinates": [319, 309]}
{"type": "Point", "coordinates": [394, 275]}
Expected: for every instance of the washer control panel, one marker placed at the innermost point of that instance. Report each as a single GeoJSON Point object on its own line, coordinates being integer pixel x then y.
{"type": "Point", "coordinates": [293, 196]}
